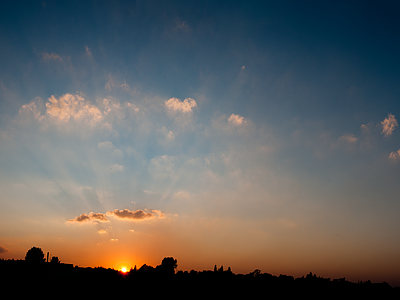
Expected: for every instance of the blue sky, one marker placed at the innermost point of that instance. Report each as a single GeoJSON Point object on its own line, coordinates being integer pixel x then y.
{"type": "Point", "coordinates": [256, 135]}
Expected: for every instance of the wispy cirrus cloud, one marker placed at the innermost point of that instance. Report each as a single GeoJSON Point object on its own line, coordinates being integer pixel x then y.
{"type": "Point", "coordinates": [116, 168]}
{"type": "Point", "coordinates": [182, 25]}
{"type": "Point", "coordinates": [348, 138]}
{"type": "Point", "coordinates": [88, 51]}
{"type": "Point", "coordinates": [389, 124]}
{"type": "Point", "coordinates": [48, 57]}
{"type": "Point", "coordinates": [105, 145]}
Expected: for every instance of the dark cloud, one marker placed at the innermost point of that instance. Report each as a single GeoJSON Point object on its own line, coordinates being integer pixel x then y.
{"type": "Point", "coordinates": [119, 214]}
{"type": "Point", "coordinates": [131, 215]}
{"type": "Point", "coordinates": [3, 250]}
{"type": "Point", "coordinates": [99, 217]}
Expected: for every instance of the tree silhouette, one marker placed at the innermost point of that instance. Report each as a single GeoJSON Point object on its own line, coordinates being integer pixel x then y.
{"type": "Point", "coordinates": [35, 254]}
{"type": "Point", "coordinates": [55, 260]}
{"type": "Point", "coordinates": [168, 265]}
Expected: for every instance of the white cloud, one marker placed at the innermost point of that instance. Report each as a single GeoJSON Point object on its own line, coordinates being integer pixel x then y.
{"type": "Point", "coordinates": [73, 113]}
{"type": "Point", "coordinates": [182, 26]}
{"type": "Point", "coordinates": [110, 83]}
{"type": "Point", "coordinates": [102, 231]}
{"type": "Point", "coordinates": [395, 155]}
{"type": "Point", "coordinates": [348, 138]}
{"type": "Point", "coordinates": [115, 82]}
{"type": "Point", "coordinates": [236, 119]}
{"type": "Point", "coordinates": [181, 195]}
{"type": "Point", "coordinates": [388, 125]}
{"type": "Point", "coordinates": [70, 106]}
{"type": "Point", "coordinates": [365, 128]}
{"type": "Point", "coordinates": [118, 153]}
{"type": "Point", "coordinates": [88, 51]}
{"type": "Point", "coordinates": [47, 57]}
{"type": "Point", "coordinates": [112, 107]}
{"type": "Point", "coordinates": [31, 110]}
{"type": "Point", "coordinates": [148, 192]}
{"type": "Point", "coordinates": [125, 86]}
{"type": "Point", "coordinates": [174, 104]}
{"type": "Point", "coordinates": [161, 166]}
{"type": "Point", "coordinates": [116, 168]}
{"type": "Point", "coordinates": [168, 134]}
{"type": "Point", "coordinates": [105, 145]}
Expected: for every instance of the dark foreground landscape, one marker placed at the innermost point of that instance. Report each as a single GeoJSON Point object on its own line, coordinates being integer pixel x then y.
{"type": "Point", "coordinates": [54, 279]}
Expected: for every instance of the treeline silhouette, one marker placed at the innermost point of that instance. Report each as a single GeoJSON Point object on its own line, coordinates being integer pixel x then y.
{"type": "Point", "coordinates": [37, 276]}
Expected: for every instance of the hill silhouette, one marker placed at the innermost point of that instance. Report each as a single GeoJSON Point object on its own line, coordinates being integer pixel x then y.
{"type": "Point", "coordinates": [27, 278]}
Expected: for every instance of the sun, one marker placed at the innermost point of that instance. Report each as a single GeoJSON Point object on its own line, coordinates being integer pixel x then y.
{"type": "Point", "coordinates": [123, 267]}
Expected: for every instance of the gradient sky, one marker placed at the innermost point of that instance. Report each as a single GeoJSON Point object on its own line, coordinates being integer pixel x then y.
{"type": "Point", "coordinates": [251, 135]}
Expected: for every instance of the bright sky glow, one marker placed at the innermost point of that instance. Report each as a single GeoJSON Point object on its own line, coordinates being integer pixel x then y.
{"type": "Point", "coordinates": [256, 135]}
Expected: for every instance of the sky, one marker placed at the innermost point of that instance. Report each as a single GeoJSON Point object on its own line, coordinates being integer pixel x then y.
{"type": "Point", "coordinates": [249, 134]}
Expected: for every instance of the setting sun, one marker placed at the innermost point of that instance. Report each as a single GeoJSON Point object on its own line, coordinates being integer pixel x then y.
{"type": "Point", "coordinates": [124, 270]}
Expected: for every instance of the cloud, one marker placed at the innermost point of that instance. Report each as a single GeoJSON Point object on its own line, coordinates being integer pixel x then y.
{"type": "Point", "coordinates": [162, 166]}
{"type": "Point", "coordinates": [88, 51]}
{"type": "Point", "coordinates": [118, 153]}
{"type": "Point", "coordinates": [105, 145]}
{"type": "Point", "coordinates": [236, 119]}
{"type": "Point", "coordinates": [124, 214]}
{"type": "Point", "coordinates": [168, 134]}
{"type": "Point", "coordinates": [174, 104]}
{"type": "Point", "coordinates": [3, 250]}
{"type": "Point", "coordinates": [134, 215]}
{"type": "Point", "coordinates": [389, 124]}
{"type": "Point", "coordinates": [395, 155]}
{"type": "Point", "coordinates": [114, 107]}
{"type": "Point", "coordinates": [31, 109]}
{"type": "Point", "coordinates": [125, 86]}
{"type": "Point", "coordinates": [47, 57]}
{"type": "Point", "coordinates": [181, 195]}
{"type": "Point", "coordinates": [110, 83]}
{"type": "Point", "coordinates": [102, 231]}
{"type": "Point", "coordinates": [91, 217]}
{"type": "Point", "coordinates": [348, 138]}
{"type": "Point", "coordinates": [182, 26]}
{"type": "Point", "coordinates": [70, 106]}
{"type": "Point", "coordinates": [365, 128]}
{"type": "Point", "coordinates": [115, 82]}
{"type": "Point", "coordinates": [73, 113]}
{"type": "Point", "coordinates": [148, 192]}
{"type": "Point", "coordinates": [116, 168]}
